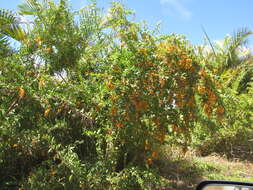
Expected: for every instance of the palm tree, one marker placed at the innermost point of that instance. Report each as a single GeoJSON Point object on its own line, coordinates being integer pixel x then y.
{"type": "Point", "coordinates": [231, 65]}
{"type": "Point", "coordinates": [238, 40]}
{"type": "Point", "coordinates": [32, 7]}
{"type": "Point", "coordinates": [10, 28]}
{"type": "Point", "coordinates": [247, 76]}
{"type": "Point", "coordinates": [241, 65]}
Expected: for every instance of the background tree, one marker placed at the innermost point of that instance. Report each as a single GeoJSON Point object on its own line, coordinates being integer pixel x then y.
{"type": "Point", "coordinates": [230, 63]}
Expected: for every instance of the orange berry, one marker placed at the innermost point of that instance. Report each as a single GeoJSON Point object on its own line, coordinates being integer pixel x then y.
{"type": "Point", "coordinates": [47, 111]}
{"type": "Point", "coordinates": [142, 51]}
{"type": "Point", "coordinates": [114, 111]}
{"type": "Point", "coordinates": [41, 83]}
{"type": "Point", "coordinates": [188, 60]}
{"type": "Point", "coordinates": [78, 103]}
{"type": "Point", "coordinates": [39, 42]}
{"type": "Point", "coordinates": [21, 92]}
{"type": "Point", "coordinates": [154, 155]}
{"type": "Point", "coordinates": [201, 90]}
{"type": "Point", "coordinates": [110, 85]}
{"type": "Point", "coordinates": [146, 145]}
{"type": "Point", "coordinates": [208, 110]}
{"type": "Point", "coordinates": [191, 101]}
{"type": "Point", "coordinates": [162, 82]}
{"type": "Point", "coordinates": [149, 161]}
{"type": "Point", "coordinates": [220, 110]}
{"type": "Point", "coordinates": [180, 103]}
{"type": "Point", "coordinates": [202, 72]}
{"type": "Point", "coordinates": [161, 138]}
{"type": "Point", "coordinates": [98, 107]}
{"type": "Point", "coordinates": [119, 125]}
{"type": "Point", "coordinates": [48, 50]}
{"type": "Point", "coordinates": [134, 37]}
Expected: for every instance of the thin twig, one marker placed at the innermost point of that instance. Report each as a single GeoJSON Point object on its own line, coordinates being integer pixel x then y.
{"type": "Point", "coordinates": [12, 105]}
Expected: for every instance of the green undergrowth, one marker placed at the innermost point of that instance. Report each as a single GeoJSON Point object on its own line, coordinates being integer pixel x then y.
{"type": "Point", "coordinates": [186, 171]}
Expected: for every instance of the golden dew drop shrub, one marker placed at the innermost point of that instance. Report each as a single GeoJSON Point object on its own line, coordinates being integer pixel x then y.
{"type": "Point", "coordinates": [105, 98]}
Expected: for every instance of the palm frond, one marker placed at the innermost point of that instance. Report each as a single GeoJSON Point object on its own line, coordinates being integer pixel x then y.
{"type": "Point", "coordinates": [247, 77]}
{"type": "Point", "coordinates": [5, 48]}
{"type": "Point", "coordinates": [4, 41]}
{"type": "Point", "coordinates": [9, 25]}
{"type": "Point", "coordinates": [209, 41]}
{"type": "Point", "coordinates": [29, 7]}
{"type": "Point", "coordinates": [238, 39]}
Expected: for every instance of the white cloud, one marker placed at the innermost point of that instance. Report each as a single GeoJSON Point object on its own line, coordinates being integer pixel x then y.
{"type": "Point", "coordinates": [219, 43]}
{"type": "Point", "coordinates": [244, 51]}
{"type": "Point", "coordinates": [178, 6]}
{"type": "Point", "coordinates": [251, 49]}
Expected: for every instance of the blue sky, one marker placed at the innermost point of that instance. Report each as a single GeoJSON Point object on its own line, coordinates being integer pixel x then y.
{"type": "Point", "coordinates": [219, 17]}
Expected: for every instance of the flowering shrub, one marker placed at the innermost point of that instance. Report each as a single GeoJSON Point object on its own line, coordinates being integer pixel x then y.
{"type": "Point", "coordinates": [88, 105]}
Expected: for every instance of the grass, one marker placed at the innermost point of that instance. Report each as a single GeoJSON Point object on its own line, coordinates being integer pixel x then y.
{"type": "Point", "coordinates": [185, 171]}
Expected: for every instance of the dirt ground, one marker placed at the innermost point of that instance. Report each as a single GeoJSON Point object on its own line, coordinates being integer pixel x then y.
{"type": "Point", "coordinates": [185, 172]}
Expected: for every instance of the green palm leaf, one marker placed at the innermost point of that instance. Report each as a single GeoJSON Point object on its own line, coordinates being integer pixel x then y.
{"type": "Point", "coordinates": [247, 77]}
{"type": "Point", "coordinates": [9, 25]}
{"type": "Point", "coordinates": [29, 7]}
{"type": "Point", "coordinates": [5, 48]}
{"type": "Point", "coordinates": [238, 39]}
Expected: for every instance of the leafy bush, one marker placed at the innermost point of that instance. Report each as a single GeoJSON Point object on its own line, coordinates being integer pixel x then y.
{"type": "Point", "coordinates": [90, 98]}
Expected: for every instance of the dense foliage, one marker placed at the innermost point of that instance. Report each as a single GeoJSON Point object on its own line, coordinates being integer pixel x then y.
{"type": "Point", "coordinates": [89, 98]}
